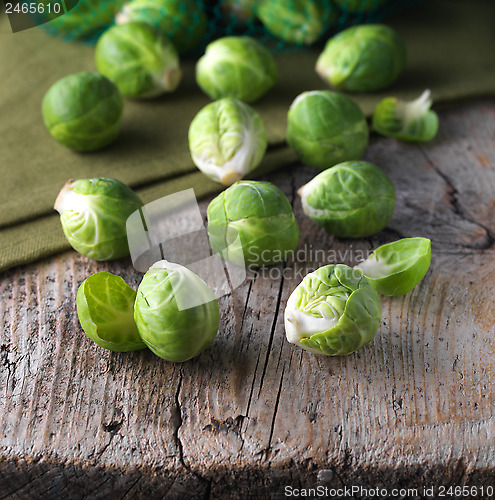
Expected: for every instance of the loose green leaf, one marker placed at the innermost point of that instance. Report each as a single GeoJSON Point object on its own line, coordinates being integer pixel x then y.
{"type": "Point", "coordinates": [409, 121]}
{"type": "Point", "coordinates": [105, 307]}
{"type": "Point", "coordinates": [396, 268]}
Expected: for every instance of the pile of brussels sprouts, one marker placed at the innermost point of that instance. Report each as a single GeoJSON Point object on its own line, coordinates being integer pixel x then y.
{"type": "Point", "coordinates": [334, 310]}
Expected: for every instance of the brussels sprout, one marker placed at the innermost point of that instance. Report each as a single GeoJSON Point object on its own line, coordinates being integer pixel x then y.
{"type": "Point", "coordinates": [396, 268]}
{"type": "Point", "coordinates": [251, 223]}
{"type": "Point", "coordinates": [409, 121]}
{"type": "Point", "coordinates": [138, 60]}
{"type": "Point", "coordinates": [238, 67]}
{"type": "Point", "coordinates": [85, 21]}
{"type": "Point", "coordinates": [360, 6]}
{"type": "Point", "coordinates": [176, 313]}
{"type": "Point", "coordinates": [242, 11]}
{"type": "Point", "coordinates": [350, 200]}
{"type": "Point", "coordinates": [83, 111]}
{"type": "Point", "coordinates": [105, 307]}
{"type": "Point", "coordinates": [325, 128]}
{"type": "Point", "coordinates": [227, 140]}
{"type": "Point", "coordinates": [93, 213]}
{"type": "Point", "coordinates": [297, 21]}
{"type": "Point", "coordinates": [183, 22]}
{"type": "Point", "coordinates": [333, 311]}
{"type": "Point", "coordinates": [362, 58]}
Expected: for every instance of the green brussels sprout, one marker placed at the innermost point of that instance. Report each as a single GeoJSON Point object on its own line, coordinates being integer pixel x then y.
{"type": "Point", "coordinates": [183, 22]}
{"type": "Point", "coordinates": [301, 22]}
{"type": "Point", "coordinates": [138, 60]}
{"type": "Point", "coordinates": [360, 6]}
{"type": "Point", "coordinates": [333, 311]}
{"type": "Point", "coordinates": [93, 213]}
{"type": "Point", "coordinates": [242, 11]}
{"type": "Point", "coordinates": [83, 111]}
{"type": "Point", "coordinates": [350, 200]}
{"type": "Point", "coordinates": [362, 58]}
{"type": "Point", "coordinates": [252, 224]}
{"type": "Point", "coordinates": [409, 121]}
{"type": "Point", "coordinates": [238, 67]}
{"type": "Point", "coordinates": [105, 307]}
{"type": "Point", "coordinates": [325, 128]}
{"type": "Point", "coordinates": [85, 21]}
{"type": "Point", "coordinates": [396, 268]}
{"type": "Point", "coordinates": [176, 313]}
{"type": "Point", "coordinates": [227, 139]}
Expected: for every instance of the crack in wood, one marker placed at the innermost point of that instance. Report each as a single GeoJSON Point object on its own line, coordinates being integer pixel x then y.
{"type": "Point", "coordinates": [431, 366]}
{"type": "Point", "coordinates": [177, 422]}
{"type": "Point", "coordinates": [272, 332]}
{"type": "Point", "coordinates": [131, 488]}
{"type": "Point", "coordinates": [277, 402]}
{"type": "Point", "coordinates": [456, 206]}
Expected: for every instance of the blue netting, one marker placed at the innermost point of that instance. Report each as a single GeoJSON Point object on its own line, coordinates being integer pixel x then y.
{"type": "Point", "coordinates": [223, 18]}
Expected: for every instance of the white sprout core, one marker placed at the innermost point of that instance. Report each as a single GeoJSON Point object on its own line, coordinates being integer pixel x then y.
{"type": "Point", "coordinates": [240, 163]}
{"type": "Point", "coordinates": [373, 268]}
{"type": "Point", "coordinates": [68, 200]}
{"type": "Point", "coordinates": [166, 81]}
{"type": "Point", "coordinates": [412, 111]}
{"type": "Point", "coordinates": [303, 192]}
{"type": "Point", "coordinates": [300, 325]}
{"type": "Point", "coordinates": [123, 16]}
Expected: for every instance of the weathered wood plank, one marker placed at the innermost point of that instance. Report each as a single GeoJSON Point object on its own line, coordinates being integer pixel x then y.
{"type": "Point", "coordinates": [415, 405]}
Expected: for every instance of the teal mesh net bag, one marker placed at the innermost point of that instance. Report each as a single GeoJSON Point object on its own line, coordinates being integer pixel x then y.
{"type": "Point", "coordinates": [281, 25]}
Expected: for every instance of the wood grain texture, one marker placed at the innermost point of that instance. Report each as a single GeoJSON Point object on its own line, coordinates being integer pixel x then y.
{"type": "Point", "coordinates": [253, 413]}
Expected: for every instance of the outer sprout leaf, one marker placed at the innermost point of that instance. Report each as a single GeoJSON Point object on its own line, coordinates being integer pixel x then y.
{"type": "Point", "coordinates": [297, 21]}
{"type": "Point", "coordinates": [396, 268]}
{"type": "Point", "coordinates": [409, 121]}
{"type": "Point", "coordinates": [138, 60]}
{"type": "Point", "coordinates": [170, 328]}
{"type": "Point", "coordinates": [83, 111]}
{"type": "Point", "coordinates": [238, 67]}
{"type": "Point", "coordinates": [252, 223]}
{"type": "Point", "coordinates": [351, 200]}
{"type": "Point", "coordinates": [183, 22]}
{"type": "Point", "coordinates": [362, 58]}
{"type": "Point", "coordinates": [227, 139]}
{"type": "Point", "coordinates": [333, 311]}
{"type": "Point", "coordinates": [93, 213]}
{"type": "Point", "coordinates": [105, 307]}
{"type": "Point", "coordinates": [326, 128]}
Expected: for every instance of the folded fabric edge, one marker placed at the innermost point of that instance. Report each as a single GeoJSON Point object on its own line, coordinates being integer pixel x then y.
{"type": "Point", "coordinates": [43, 237]}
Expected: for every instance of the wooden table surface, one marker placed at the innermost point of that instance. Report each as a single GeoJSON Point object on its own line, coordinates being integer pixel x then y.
{"type": "Point", "coordinates": [253, 413]}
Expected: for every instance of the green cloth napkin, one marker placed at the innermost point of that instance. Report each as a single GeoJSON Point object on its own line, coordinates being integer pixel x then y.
{"type": "Point", "coordinates": [450, 50]}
